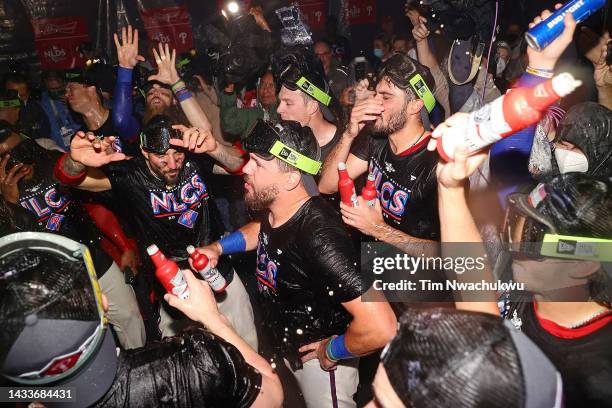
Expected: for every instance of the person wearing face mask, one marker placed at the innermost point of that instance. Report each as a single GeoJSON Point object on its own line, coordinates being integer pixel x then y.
{"type": "Point", "coordinates": [584, 140]}
{"type": "Point", "coordinates": [382, 51]}
{"type": "Point", "coordinates": [53, 102]}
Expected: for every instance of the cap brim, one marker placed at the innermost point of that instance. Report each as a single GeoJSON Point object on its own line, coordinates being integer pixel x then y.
{"type": "Point", "coordinates": [93, 380]}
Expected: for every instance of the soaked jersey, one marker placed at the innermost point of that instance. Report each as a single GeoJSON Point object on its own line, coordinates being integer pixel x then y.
{"type": "Point", "coordinates": [306, 268]}
{"type": "Point", "coordinates": [406, 184]}
{"type": "Point", "coordinates": [195, 369]}
{"type": "Point", "coordinates": [55, 210]}
{"type": "Point", "coordinates": [171, 217]}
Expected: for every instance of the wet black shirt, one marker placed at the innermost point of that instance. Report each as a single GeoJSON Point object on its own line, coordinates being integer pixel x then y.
{"type": "Point", "coordinates": [171, 217]}
{"type": "Point", "coordinates": [406, 184]}
{"type": "Point", "coordinates": [306, 268]}
{"type": "Point", "coordinates": [195, 369]}
{"type": "Point", "coordinates": [585, 363]}
{"type": "Point", "coordinates": [56, 210]}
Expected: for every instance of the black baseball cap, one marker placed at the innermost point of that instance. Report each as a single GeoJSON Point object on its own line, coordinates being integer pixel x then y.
{"type": "Point", "coordinates": [54, 332]}
{"type": "Point", "coordinates": [445, 357]}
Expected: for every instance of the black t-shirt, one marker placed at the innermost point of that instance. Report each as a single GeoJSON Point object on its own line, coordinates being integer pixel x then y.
{"type": "Point", "coordinates": [585, 363]}
{"type": "Point", "coordinates": [56, 210]}
{"type": "Point", "coordinates": [195, 369]}
{"type": "Point", "coordinates": [306, 268]}
{"type": "Point", "coordinates": [171, 217]}
{"type": "Point", "coordinates": [406, 184]}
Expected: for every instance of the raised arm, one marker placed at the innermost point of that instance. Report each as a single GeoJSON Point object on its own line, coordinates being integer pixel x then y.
{"type": "Point", "coordinates": [127, 126]}
{"type": "Point", "coordinates": [80, 167]}
{"type": "Point", "coordinates": [201, 306]}
{"type": "Point", "coordinates": [456, 221]}
{"type": "Point", "coordinates": [227, 155]}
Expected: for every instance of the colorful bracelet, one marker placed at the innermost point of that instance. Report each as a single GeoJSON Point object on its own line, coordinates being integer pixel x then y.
{"type": "Point", "coordinates": [183, 94]}
{"type": "Point", "coordinates": [233, 243]}
{"type": "Point", "coordinates": [175, 85]}
{"type": "Point", "coordinates": [336, 349]}
{"type": "Point", "coordinates": [544, 73]}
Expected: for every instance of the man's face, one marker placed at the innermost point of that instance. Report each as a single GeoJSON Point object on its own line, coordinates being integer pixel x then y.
{"type": "Point", "coordinates": [79, 96]}
{"type": "Point", "coordinates": [57, 87]}
{"type": "Point", "coordinates": [158, 98]}
{"type": "Point", "coordinates": [267, 90]}
{"type": "Point", "coordinates": [262, 181]}
{"type": "Point", "coordinates": [292, 106]}
{"type": "Point", "coordinates": [400, 46]}
{"type": "Point", "coordinates": [323, 52]}
{"type": "Point", "coordinates": [166, 166]}
{"type": "Point", "coordinates": [395, 104]}
{"type": "Point", "coordinates": [20, 87]}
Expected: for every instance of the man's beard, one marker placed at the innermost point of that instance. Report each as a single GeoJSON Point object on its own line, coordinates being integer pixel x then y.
{"type": "Point", "coordinates": [395, 124]}
{"type": "Point", "coordinates": [260, 200]}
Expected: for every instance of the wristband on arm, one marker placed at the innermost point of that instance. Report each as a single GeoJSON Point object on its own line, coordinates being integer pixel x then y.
{"type": "Point", "coordinates": [65, 178]}
{"type": "Point", "coordinates": [233, 243]}
{"type": "Point", "coordinates": [335, 349]}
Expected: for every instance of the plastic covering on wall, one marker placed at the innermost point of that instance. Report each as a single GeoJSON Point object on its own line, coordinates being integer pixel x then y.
{"type": "Point", "coordinates": [52, 32]}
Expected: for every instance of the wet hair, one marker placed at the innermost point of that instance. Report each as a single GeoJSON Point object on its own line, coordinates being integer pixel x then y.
{"type": "Point", "coordinates": [301, 139]}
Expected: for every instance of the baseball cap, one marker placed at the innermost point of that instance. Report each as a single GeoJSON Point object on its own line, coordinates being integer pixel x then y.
{"type": "Point", "coordinates": [568, 217]}
{"type": "Point", "coordinates": [405, 72]}
{"type": "Point", "coordinates": [285, 140]}
{"type": "Point", "coordinates": [54, 332]}
{"type": "Point", "coordinates": [9, 98]}
{"type": "Point", "coordinates": [156, 135]}
{"type": "Point", "coordinates": [444, 357]}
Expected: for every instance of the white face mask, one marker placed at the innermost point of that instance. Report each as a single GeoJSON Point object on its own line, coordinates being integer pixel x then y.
{"type": "Point", "coordinates": [570, 161]}
{"type": "Point", "coordinates": [501, 66]}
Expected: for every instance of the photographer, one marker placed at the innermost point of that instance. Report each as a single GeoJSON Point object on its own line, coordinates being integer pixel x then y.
{"type": "Point", "coordinates": [54, 103]}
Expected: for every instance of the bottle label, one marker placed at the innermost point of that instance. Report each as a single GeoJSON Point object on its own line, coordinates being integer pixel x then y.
{"type": "Point", "coordinates": [179, 286]}
{"type": "Point", "coordinates": [214, 278]}
{"type": "Point", "coordinates": [486, 126]}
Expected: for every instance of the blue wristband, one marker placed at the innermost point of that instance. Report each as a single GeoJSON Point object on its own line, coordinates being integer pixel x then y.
{"type": "Point", "coordinates": [233, 243]}
{"type": "Point", "coordinates": [336, 349]}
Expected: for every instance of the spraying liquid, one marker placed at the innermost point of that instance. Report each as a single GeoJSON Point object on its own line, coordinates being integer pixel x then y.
{"type": "Point", "coordinates": [211, 275]}
{"type": "Point", "coordinates": [368, 192]}
{"type": "Point", "coordinates": [346, 186]}
{"type": "Point", "coordinates": [168, 273]}
{"type": "Point", "coordinates": [514, 111]}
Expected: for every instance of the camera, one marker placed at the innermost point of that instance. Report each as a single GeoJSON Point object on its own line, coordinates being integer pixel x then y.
{"type": "Point", "coordinates": [458, 19]}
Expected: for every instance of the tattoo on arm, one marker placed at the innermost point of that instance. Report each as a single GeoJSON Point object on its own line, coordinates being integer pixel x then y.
{"type": "Point", "coordinates": [228, 156]}
{"type": "Point", "coordinates": [411, 245]}
{"type": "Point", "coordinates": [72, 167]}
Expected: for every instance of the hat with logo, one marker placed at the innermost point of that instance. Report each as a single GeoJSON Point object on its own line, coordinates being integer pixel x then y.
{"type": "Point", "coordinates": [54, 332]}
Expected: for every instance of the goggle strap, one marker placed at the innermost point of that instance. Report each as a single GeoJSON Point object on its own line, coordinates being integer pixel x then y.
{"type": "Point", "coordinates": [294, 158]}
{"type": "Point", "coordinates": [575, 247]}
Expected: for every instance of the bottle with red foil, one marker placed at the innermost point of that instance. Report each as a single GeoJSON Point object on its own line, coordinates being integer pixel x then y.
{"type": "Point", "coordinates": [168, 273]}
{"type": "Point", "coordinates": [368, 192]}
{"type": "Point", "coordinates": [211, 275]}
{"type": "Point", "coordinates": [514, 111]}
{"type": "Point", "coordinates": [346, 186]}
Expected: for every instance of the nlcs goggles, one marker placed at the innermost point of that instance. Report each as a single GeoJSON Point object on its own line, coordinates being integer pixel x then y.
{"type": "Point", "coordinates": [264, 140]}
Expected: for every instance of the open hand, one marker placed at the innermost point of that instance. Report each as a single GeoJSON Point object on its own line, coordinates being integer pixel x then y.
{"type": "Point", "coordinates": [91, 151]}
{"type": "Point", "coordinates": [166, 65]}
{"type": "Point", "coordinates": [127, 49]}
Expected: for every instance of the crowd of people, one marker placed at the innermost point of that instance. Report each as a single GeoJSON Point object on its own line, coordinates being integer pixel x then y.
{"type": "Point", "coordinates": [98, 165]}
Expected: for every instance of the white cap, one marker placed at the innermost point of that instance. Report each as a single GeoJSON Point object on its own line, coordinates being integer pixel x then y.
{"type": "Point", "coordinates": [151, 250]}
{"type": "Point", "coordinates": [190, 249]}
{"type": "Point", "coordinates": [564, 84]}
{"type": "Point", "coordinates": [341, 166]}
